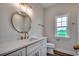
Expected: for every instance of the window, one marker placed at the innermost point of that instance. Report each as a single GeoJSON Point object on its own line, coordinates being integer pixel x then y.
{"type": "Point", "coordinates": [62, 26]}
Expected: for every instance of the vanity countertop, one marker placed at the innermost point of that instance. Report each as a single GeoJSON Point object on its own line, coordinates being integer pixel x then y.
{"type": "Point", "coordinates": [6, 48]}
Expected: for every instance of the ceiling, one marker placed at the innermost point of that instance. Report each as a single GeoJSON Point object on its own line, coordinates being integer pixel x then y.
{"type": "Point", "coordinates": [46, 5]}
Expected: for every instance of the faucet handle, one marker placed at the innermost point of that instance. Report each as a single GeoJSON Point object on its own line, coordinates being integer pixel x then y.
{"type": "Point", "coordinates": [21, 38]}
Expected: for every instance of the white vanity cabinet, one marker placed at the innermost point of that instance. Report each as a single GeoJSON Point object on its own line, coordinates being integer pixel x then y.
{"type": "Point", "coordinates": [35, 47]}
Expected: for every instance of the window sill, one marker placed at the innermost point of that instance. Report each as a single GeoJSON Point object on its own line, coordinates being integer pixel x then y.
{"type": "Point", "coordinates": [67, 37]}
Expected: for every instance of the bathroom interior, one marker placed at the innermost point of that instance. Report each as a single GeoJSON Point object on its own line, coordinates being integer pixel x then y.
{"type": "Point", "coordinates": [39, 29]}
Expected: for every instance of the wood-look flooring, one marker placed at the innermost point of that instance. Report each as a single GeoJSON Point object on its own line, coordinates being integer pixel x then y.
{"type": "Point", "coordinates": [58, 53]}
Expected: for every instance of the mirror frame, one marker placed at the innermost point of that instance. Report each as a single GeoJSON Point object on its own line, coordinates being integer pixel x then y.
{"type": "Point", "coordinates": [24, 15]}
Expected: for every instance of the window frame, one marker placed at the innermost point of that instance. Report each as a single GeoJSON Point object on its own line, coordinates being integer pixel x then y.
{"type": "Point", "coordinates": [68, 30]}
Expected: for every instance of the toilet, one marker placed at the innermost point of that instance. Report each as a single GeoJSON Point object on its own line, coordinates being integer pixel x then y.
{"type": "Point", "coordinates": [50, 48]}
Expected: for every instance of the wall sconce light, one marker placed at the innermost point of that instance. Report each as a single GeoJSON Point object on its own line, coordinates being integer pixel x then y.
{"type": "Point", "coordinates": [25, 7]}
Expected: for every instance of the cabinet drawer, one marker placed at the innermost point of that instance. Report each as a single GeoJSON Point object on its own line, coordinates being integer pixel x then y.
{"type": "Point", "coordinates": [44, 41]}
{"type": "Point", "coordinates": [21, 52]}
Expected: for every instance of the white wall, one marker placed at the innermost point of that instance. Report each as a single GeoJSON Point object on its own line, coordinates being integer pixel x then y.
{"type": "Point", "coordinates": [63, 44]}
{"type": "Point", "coordinates": [7, 33]}
{"type": "Point", "coordinates": [37, 19]}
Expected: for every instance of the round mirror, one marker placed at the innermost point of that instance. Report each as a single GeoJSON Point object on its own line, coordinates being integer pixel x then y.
{"type": "Point", "coordinates": [21, 22]}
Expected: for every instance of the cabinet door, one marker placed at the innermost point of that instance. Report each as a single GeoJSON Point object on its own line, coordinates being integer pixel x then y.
{"type": "Point", "coordinates": [43, 52]}
{"type": "Point", "coordinates": [21, 52]}
{"type": "Point", "coordinates": [36, 52]}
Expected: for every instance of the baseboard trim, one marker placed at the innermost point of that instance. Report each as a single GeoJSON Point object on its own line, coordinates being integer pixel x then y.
{"type": "Point", "coordinates": [49, 54]}
{"type": "Point", "coordinates": [65, 51]}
